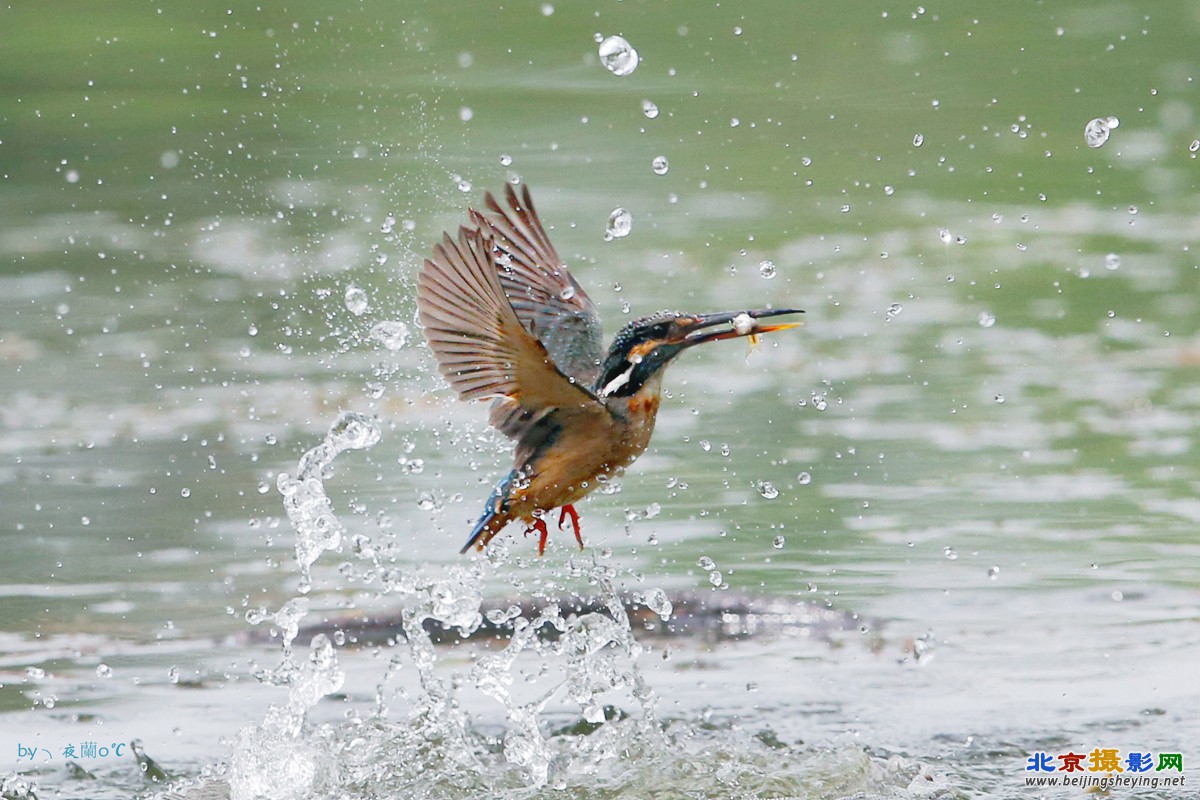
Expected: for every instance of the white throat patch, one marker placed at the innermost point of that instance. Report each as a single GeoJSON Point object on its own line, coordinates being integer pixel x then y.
{"type": "Point", "coordinates": [617, 382]}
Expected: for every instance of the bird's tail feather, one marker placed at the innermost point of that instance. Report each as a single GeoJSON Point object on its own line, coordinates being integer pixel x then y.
{"type": "Point", "coordinates": [494, 517]}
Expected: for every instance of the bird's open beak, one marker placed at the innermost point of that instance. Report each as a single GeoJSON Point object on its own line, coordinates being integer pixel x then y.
{"type": "Point", "coordinates": [731, 325]}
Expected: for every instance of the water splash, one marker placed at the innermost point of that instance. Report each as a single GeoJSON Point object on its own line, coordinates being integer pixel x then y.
{"type": "Point", "coordinates": [437, 747]}
{"type": "Point", "coordinates": [308, 507]}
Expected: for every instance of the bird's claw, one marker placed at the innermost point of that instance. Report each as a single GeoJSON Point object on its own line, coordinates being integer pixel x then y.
{"type": "Point", "coordinates": [569, 511]}
{"type": "Point", "coordinates": [539, 525]}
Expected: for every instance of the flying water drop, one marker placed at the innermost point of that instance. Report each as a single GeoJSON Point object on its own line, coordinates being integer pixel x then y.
{"type": "Point", "coordinates": [620, 223]}
{"type": "Point", "coordinates": [392, 334]}
{"type": "Point", "coordinates": [767, 490]}
{"type": "Point", "coordinates": [356, 300]}
{"type": "Point", "coordinates": [1098, 130]}
{"type": "Point", "coordinates": [618, 56]}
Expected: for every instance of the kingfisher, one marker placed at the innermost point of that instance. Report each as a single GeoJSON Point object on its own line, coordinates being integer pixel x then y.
{"type": "Point", "coordinates": [508, 323]}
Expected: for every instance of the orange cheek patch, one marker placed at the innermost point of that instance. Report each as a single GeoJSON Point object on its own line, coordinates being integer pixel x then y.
{"type": "Point", "coordinates": [642, 350]}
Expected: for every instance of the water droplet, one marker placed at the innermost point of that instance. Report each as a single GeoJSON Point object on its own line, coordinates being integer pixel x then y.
{"type": "Point", "coordinates": [1113, 123]}
{"type": "Point", "coordinates": [705, 563]}
{"type": "Point", "coordinates": [104, 671]}
{"type": "Point", "coordinates": [993, 572]}
{"type": "Point", "coordinates": [1112, 261]}
{"type": "Point", "coordinates": [999, 398]}
{"type": "Point", "coordinates": [465, 113]}
{"type": "Point", "coordinates": [649, 109]}
{"type": "Point", "coordinates": [660, 165]}
{"type": "Point", "coordinates": [505, 160]}
{"type": "Point", "coordinates": [425, 501]}
{"type": "Point", "coordinates": [949, 553]}
{"type": "Point", "coordinates": [779, 542]}
{"type": "Point", "coordinates": [656, 600]}
{"type": "Point", "coordinates": [945, 236]}
{"type": "Point", "coordinates": [185, 492]}
{"type": "Point", "coordinates": [567, 293]}
{"type": "Point", "coordinates": [618, 56]}
{"type": "Point", "coordinates": [894, 310]}
{"type": "Point", "coordinates": [986, 319]}
{"type": "Point", "coordinates": [391, 333]}
{"type": "Point", "coordinates": [353, 431]}
{"type": "Point", "coordinates": [357, 301]}
{"type": "Point", "coordinates": [1194, 146]}
{"type": "Point", "coordinates": [767, 489]}
{"type": "Point", "coordinates": [620, 223]}
{"type": "Point", "coordinates": [918, 140]}
{"type": "Point", "coordinates": [547, 10]}
{"type": "Point", "coordinates": [743, 323]}
{"type": "Point", "coordinates": [173, 674]}
{"type": "Point", "coordinates": [767, 269]}
{"type": "Point", "coordinates": [889, 190]}
{"type": "Point", "coordinates": [1096, 133]}
{"type": "Point", "coordinates": [715, 577]}
{"type": "Point", "coordinates": [804, 479]}
{"type": "Point", "coordinates": [35, 673]}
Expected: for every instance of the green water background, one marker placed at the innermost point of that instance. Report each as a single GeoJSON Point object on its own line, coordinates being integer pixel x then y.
{"type": "Point", "coordinates": [993, 400]}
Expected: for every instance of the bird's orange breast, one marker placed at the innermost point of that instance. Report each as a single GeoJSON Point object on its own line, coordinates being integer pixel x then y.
{"type": "Point", "coordinates": [643, 405]}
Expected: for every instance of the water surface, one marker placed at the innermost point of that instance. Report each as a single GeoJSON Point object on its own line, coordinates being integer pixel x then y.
{"type": "Point", "coordinates": [982, 441]}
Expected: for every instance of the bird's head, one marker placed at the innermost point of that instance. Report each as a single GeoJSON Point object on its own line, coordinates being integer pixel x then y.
{"type": "Point", "coordinates": [645, 346]}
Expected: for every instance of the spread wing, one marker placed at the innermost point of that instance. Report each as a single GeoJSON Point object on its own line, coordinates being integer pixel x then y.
{"type": "Point", "coordinates": [551, 305]}
{"type": "Point", "coordinates": [482, 347]}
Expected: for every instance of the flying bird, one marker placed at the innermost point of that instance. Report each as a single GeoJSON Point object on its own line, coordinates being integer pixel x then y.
{"type": "Point", "coordinates": [508, 323]}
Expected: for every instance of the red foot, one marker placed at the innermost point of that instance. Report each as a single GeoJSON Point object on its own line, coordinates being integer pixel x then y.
{"type": "Point", "coordinates": [539, 525]}
{"type": "Point", "coordinates": [569, 511]}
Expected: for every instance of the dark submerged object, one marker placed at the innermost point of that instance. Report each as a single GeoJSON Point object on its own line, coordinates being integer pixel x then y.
{"type": "Point", "coordinates": [702, 616]}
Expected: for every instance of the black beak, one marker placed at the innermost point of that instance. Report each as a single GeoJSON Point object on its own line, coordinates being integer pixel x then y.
{"type": "Point", "coordinates": [730, 325]}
